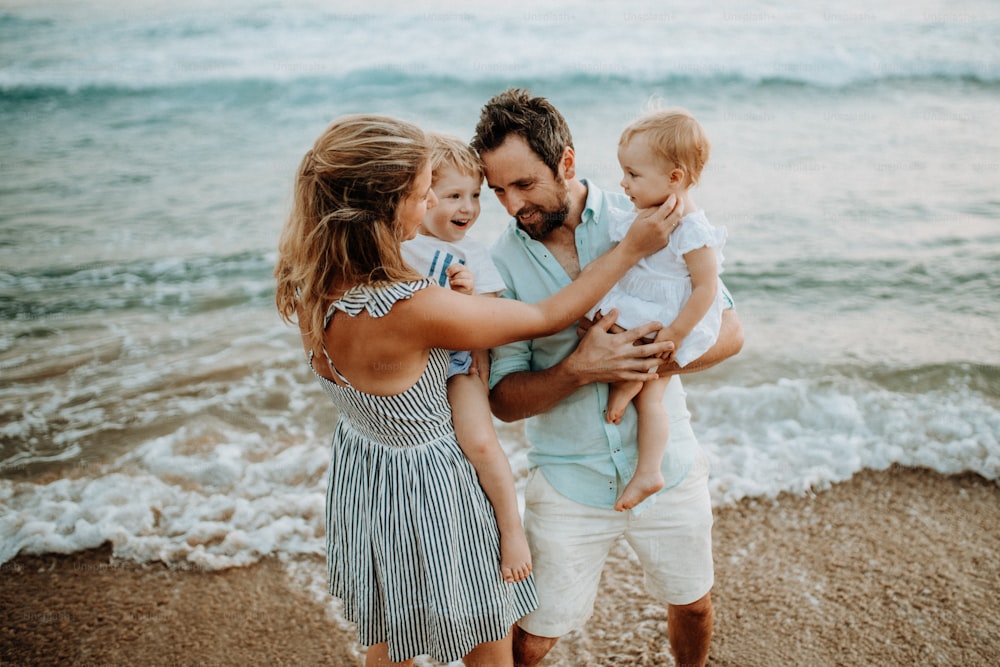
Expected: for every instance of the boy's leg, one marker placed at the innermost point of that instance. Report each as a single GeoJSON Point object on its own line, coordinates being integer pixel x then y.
{"type": "Point", "coordinates": [653, 433]}
{"type": "Point", "coordinates": [473, 421]}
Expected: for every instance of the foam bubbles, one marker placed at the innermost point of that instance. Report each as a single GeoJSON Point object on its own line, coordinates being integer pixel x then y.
{"type": "Point", "coordinates": [798, 434]}
{"type": "Point", "coordinates": [227, 506]}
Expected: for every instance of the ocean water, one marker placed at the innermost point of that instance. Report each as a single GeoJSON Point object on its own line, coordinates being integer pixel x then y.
{"type": "Point", "coordinates": [150, 396]}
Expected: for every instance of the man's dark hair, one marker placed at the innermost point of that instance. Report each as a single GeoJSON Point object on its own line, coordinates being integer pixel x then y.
{"type": "Point", "coordinates": [515, 111]}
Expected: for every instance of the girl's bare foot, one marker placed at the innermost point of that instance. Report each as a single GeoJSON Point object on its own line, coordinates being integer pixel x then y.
{"type": "Point", "coordinates": [640, 487]}
{"type": "Point", "coordinates": [620, 395]}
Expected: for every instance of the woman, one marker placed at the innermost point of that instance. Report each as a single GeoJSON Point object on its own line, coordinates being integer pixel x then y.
{"type": "Point", "coordinates": [412, 542]}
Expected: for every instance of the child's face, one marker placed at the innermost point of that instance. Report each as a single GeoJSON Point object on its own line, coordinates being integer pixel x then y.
{"type": "Point", "coordinates": [457, 208]}
{"type": "Point", "coordinates": [648, 179]}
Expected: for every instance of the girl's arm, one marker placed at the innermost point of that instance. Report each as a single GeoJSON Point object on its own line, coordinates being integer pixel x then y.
{"type": "Point", "coordinates": [704, 272]}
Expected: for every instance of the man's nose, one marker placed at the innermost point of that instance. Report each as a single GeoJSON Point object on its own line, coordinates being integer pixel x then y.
{"type": "Point", "coordinates": [513, 202]}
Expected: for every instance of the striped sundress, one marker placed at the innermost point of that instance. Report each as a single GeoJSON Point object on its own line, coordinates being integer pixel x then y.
{"type": "Point", "coordinates": [412, 541]}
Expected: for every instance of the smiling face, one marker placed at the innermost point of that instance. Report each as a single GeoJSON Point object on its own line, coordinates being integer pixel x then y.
{"type": "Point", "coordinates": [457, 208]}
{"type": "Point", "coordinates": [526, 186]}
{"type": "Point", "coordinates": [647, 178]}
{"type": "Point", "coordinates": [414, 207]}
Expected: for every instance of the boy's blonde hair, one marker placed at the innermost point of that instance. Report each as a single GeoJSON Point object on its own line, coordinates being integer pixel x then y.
{"type": "Point", "coordinates": [674, 135]}
{"type": "Point", "coordinates": [449, 151]}
{"type": "Point", "coordinates": [343, 229]}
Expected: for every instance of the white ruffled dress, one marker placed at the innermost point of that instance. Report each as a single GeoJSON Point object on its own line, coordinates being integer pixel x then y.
{"type": "Point", "coordinates": [659, 285]}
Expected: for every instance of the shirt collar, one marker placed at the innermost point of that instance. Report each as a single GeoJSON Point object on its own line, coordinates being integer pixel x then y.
{"type": "Point", "coordinates": [595, 200]}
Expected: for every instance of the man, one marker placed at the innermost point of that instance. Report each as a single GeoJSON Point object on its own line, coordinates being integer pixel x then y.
{"type": "Point", "coordinates": [560, 384]}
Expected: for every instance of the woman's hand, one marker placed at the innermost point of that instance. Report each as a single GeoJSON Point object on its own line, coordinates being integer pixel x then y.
{"type": "Point", "coordinates": [652, 228]}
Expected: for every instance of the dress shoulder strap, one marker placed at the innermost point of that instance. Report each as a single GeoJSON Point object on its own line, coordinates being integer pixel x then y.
{"type": "Point", "coordinates": [376, 299]}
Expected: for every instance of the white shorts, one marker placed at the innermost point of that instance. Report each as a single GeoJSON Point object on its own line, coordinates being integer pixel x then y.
{"type": "Point", "coordinates": [570, 542]}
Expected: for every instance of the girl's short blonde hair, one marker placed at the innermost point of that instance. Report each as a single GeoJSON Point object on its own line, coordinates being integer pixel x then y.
{"type": "Point", "coordinates": [675, 136]}
{"type": "Point", "coordinates": [343, 228]}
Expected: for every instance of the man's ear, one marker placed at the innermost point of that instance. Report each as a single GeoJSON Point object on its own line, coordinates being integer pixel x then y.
{"type": "Point", "coordinates": [568, 162]}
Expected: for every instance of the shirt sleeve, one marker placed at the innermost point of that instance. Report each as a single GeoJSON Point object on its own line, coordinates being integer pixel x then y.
{"type": "Point", "coordinates": [511, 358]}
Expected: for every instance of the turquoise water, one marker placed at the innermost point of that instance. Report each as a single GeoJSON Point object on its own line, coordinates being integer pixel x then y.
{"type": "Point", "coordinates": [146, 158]}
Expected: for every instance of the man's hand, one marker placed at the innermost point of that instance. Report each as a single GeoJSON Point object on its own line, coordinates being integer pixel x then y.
{"type": "Point", "coordinates": [604, 356]}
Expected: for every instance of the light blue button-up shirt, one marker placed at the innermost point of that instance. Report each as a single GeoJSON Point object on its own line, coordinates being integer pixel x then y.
{"type": "Point", "coordinates": [582, 456]}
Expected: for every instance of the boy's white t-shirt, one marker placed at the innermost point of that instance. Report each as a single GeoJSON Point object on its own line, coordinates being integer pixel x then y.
{"type": "Point", "coordinates": [432, 256]}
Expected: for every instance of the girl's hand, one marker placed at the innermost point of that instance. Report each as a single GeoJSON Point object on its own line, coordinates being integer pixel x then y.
{"type": "Point", "coordinates": [460, 278]}
{"type": "Point", "coordinates": [668, 334]}
{"type": "Point", "coordinates": [652, 228]}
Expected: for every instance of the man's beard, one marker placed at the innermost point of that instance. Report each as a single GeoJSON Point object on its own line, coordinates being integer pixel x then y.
{"type": "Point", "coordinates": [549, 222]}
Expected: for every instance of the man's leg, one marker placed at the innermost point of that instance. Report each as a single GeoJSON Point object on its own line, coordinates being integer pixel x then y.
{"type": "Point", "coordinates": [673, 539]}
{"type": "Point", "coordinates": [529, 649]}
{"type": "Point", "coordinates": [689, 628]}
{"type": "Point", "coordinates": [569, 546]}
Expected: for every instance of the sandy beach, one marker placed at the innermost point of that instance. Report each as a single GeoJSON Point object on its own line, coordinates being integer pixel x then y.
{"type": "Point", "coordinates": [893, 568]}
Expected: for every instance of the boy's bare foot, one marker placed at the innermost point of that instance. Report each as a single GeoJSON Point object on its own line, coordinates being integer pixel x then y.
{"type": "Point", "coordinates": [515, 557]}
{"type": "Point", "coordinates": [641, 486]}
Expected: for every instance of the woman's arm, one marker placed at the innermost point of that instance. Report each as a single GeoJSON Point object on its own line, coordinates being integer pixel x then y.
{"type": "Point", "coordinates": [458, 322]}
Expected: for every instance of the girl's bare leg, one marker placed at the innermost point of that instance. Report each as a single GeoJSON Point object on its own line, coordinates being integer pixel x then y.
{"type": "Point", "coordinates": [654, 431]}
{"type": "Point", "coordinates": [470, 413]}
{"type": "Point", "coordinates": [620, 394]}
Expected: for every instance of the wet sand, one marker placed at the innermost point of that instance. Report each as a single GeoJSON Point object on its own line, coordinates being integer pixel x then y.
{"type": "Point", "coordinates": [897, 567]}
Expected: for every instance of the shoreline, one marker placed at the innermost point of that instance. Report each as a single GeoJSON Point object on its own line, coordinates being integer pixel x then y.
{"type": "Point", "coordinates": [889, 567]}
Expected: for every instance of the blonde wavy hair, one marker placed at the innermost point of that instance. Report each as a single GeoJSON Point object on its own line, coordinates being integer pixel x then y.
{"type": "Point", "coordinates": [343, 229]}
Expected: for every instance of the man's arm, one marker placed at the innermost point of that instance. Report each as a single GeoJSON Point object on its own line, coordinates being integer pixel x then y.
{"type": "Point", "coordinates": [600, 357]}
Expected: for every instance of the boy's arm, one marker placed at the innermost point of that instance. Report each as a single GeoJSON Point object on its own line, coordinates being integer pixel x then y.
{"type": "Point", "coordinates": [460, 278]}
